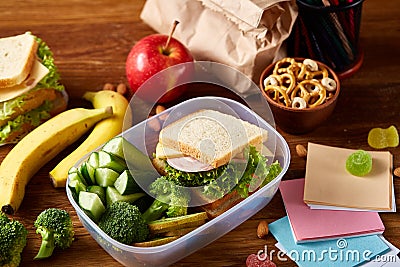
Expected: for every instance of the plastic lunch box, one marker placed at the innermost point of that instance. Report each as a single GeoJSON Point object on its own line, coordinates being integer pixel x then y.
{"type": "Point", "coordinates": [145, 139]}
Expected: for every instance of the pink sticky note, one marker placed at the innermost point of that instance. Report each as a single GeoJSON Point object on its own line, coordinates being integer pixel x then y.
{"type": "Point", "coordinates": [318, 224]}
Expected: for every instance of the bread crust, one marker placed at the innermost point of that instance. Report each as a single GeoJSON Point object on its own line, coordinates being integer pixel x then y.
{"type": "Point", "coordinates": [25, 70]}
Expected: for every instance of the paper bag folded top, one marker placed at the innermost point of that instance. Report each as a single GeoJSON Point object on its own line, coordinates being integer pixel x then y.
{"type": "Point", "coordinates": [247, 35]}
{"type": "Point", "coordinates": [249, 14]}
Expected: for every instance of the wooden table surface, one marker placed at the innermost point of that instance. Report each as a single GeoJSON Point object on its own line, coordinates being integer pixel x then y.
{"type": "Point", "coordinates": [90, 41]}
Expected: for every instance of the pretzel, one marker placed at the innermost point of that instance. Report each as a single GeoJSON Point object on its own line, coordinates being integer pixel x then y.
{"type": "Point", "coordinates": [314, 97]}
{"type": "Point", "coordinates": [286, 80]}
{"type": "Point", "coordinates": [282, 65]}
{"type": "Point", "coordinates": [298, 70]}
{"type": "Point", "coordinates": [319, 74]}
{"type": "Point", "coordinates": [291, 81]}
{"type": "Point", "coordinates": [278, 94]}
{"type": "Point", "coordinates": [311, 86]}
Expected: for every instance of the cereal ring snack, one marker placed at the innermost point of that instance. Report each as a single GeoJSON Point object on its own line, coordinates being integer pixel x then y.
{"type": "Point", "coordinates": [293, 80]}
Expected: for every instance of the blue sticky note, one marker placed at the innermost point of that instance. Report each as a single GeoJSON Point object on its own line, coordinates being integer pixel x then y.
{"type": "Point", "coordinates": [336, 252]}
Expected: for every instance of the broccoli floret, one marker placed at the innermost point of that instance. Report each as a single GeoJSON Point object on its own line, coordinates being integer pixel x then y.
{"type": "Point", "coordinates": [171, 200]}
{"type": "Point", "coordinates": [12, 241]}
{"type": "Point", "coordinates": [3, 218]}
{"type": "Point", "coordinates": [124, 222]}
{"type": "Point", "coordinates": [55, 227]}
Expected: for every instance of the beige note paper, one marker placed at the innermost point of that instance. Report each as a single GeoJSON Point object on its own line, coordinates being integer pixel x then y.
{"type": "Point", "coordinates": [328, 183]}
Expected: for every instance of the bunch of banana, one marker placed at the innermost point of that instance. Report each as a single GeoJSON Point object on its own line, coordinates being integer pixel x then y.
{"type": "Point", "coordinates": [40, 146]}
{"type": "Point", "coordinates": [101, 133]}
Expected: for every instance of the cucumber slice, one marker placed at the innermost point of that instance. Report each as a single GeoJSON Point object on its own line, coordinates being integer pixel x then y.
{"type": "Point", "coordinates": [93, 159]}
{"type": "Point", "coordinates": [77, 176]}
{"type": "Point", "coordinates": [83, 169]}
{"type": "Point", "coordinates": [112, 195]}
{"type": "Point", "coordinates": [92, 205]}
{"type": "Point", "coordinates": [174, 223]}
{"type": "Point", "coordinates": [76, 184]}
{"type": "Point", "coordinates": [72, 169]}
{"type": "Point", "coordinates": [123, 149]}
{"type": "Point", "coordinates": [126, 184]}
{"type": "Point", "coordinates": [107, 160]}
{"type": "Point", "coordinates": [100, 191]}
{"type": "Point", "coordinates": [90, 171]}
{"type": "Point", "coordinates": [105, 176]}
{"type": "Point", "coordinates": [115, 147]}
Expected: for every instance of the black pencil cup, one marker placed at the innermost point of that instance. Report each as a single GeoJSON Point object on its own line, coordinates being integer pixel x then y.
{"type": "Point", "coordinates": [328, 33]}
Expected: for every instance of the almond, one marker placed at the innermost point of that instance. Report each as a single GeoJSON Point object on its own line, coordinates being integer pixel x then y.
{"type": "Point", "coordinates": [159, 109]}
{"type": "Point", "coordinates": [396, 172]}
{"type": "Point", "coordinates": [262, 229]}
{"type": "Point", "coordinates": [121, 88]}
{"type": "Point", "coordinates": [301, 151]}
{"type": "Point", "coordinates": [109, 86]}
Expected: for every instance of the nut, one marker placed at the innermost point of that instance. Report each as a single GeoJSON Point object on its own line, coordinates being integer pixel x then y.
{"type": "Point", "coordinates": [121, 88]}
{"type": "Point", "coordinates": [262, 229]}
{"type": "Point", "coordinates": [159, 109]}
{"type": "Point", "coordinates": [301, 151]}
{"type": "Point", "coordinates": [396, 172]}
{"type": "Point", "coordinates": [109, 86]}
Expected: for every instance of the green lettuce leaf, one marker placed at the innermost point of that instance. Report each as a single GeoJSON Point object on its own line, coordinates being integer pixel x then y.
{"type": "Point", "coordinates": [34, 117]}
{"type": "Point", "coordinates": [191, 179]}
{"type": "Point", "coordinates": [239, 176]}
{"type": "Point", "coordinates": [273, 171]}
{"type": "Point", "coordinates": [51, 80]}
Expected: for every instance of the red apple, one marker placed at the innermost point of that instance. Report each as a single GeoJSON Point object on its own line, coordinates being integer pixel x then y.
{"type": "Point", "coordinates": [151, 55]}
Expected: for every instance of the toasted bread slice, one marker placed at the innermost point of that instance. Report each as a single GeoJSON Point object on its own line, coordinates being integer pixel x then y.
{"type": "Point", "coordinates": [166, 152]}
{"type": "Point", "coordinates": [59, 102]}
{"type": "Point", "coordinates": [216, 208]}
{"type": "Point", "coordinates": [17, 54]}
{"type": "Point", "coordinates": [32, 100]}
{"type": "Point", "coordinates": [38, 72]}
{"type": "Point", "coordinates": [211, 137]}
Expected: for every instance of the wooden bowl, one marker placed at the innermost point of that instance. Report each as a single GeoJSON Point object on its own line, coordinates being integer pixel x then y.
{"type": "Point", "coordinates": [300, 121]}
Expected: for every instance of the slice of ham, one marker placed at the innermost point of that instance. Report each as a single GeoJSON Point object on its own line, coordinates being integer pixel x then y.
{"type": "Point", "coordinates": [188, 164]}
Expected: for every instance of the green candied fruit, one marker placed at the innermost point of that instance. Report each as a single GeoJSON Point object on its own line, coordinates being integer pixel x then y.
{"type": "Point", "coordinates": [379, 138]}
{"type": "Point", "coordinates": [359, 163]}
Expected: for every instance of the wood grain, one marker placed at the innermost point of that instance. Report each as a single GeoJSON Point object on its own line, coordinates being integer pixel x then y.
{"type": "Point", "coordinates": [90, 41]}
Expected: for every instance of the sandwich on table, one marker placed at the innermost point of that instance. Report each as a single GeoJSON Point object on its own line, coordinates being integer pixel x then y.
{"type": "Point", "coordinates": [30, 92]}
